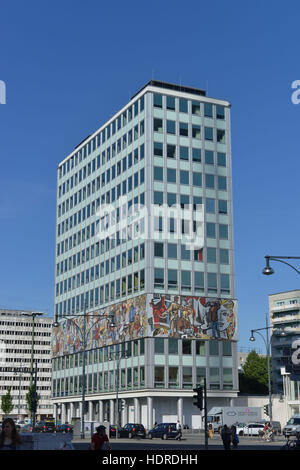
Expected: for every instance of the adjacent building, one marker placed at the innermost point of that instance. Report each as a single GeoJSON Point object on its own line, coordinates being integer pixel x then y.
{"type": "Point", "coordinates": [144, 233]}
{"type": "Point", "coordinates": [284, 309]}
{"type": "Point", "coordinates": [17, 336]}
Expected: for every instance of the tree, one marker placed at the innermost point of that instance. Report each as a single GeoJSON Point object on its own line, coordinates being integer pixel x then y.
{"type": "Point", "coordinates": [6, 403]}
{"type": "Point", "coordinates": [254, 378]}
{"type": "Point", "coordinates": [32, 404]}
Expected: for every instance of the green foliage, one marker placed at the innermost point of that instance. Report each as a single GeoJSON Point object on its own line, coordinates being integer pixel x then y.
{"type": "Point", "coordinates": [30, 399]}
{"type": "Point", "coordinates": [254, 378]}
{"type": "Point", "coordinates": [6, 403]}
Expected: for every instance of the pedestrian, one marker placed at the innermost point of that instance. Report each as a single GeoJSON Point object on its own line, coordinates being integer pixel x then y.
{"type": "Point", "coordinates": [234, 437]}
{"type": "Point", "coordinates": [226, 437]}
{"type": "Point", "coordinates": [210, 431]}
{"type": "Point", "coordinates": [9, 437]}
{"type": "Point", "coordinates": [100, 439]}
{"type": "Point", "coordinates": [179, 431]}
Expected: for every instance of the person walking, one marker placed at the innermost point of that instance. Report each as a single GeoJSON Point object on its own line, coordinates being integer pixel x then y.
{"type": "Point", "coordinates": [210, 431]}
{"type": "Point", "coordinates": [226, 437]}
{"type": "Point", "coordinates": [100, 439]}
{"type": "Point", "coordinates": [9, 437]}
{"type": "Point", "coordinates": [179, 431]}
{"type": "Point", "coordinates": [234, 437]}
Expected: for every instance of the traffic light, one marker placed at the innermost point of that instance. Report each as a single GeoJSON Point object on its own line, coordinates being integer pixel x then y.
{"type": "Point", "coordinates": [266, 410]}
{"type": "Point", "coordinates": [198, 397]}
{"type": "Point", "coordinates": [123, 402]}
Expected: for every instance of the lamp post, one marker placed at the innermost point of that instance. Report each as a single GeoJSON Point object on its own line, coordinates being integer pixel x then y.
{"type": "Point", "coordinates": [268, 270]}
{"type": "Point", "coordinates": [84, 334]}
{"type": "Point", "coordinates": [117, 355]}
{"type": "Point", "coordinates": [267, 342]}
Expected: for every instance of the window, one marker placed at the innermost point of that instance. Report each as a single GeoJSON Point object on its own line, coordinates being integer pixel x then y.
{"type": "Point", "coordinates": [159, 377]}
{"type": "Point", "coordinates": [196, 155]}
{"type": "Point", "coordinates": [225, 283]}
{"type": "Point", "coordinates": [159, 278]}
{"type": "Point", "coordinates": [158, 173]}
{"type": "Point", "coordinates": [173, 346]}
{"type": "Point", "coordinates": [171, 151]}
{"type": "Point", "coordinates": [221, 136]}
{"type": "Point", "coordinates": [222, 184]}
{"type": "Point", "coordinates": [197, 179]}
{"type": "Point", "coordinates": [208, 110]}
{"type": "Point", "coordinates": [224, 256]}
{"type": "Point", "coordinates": [157, 101]}
{"type": "Point", "coordinates": [171, 103]}
{"type": "Point", "coordinates": [196, 108]}
{"type": "Point", "coordinates": [209, 133]}
{"type": "Point", "coordinates": [184, 153]}
{"type": "Point", "coordinates": [221, 159]}
{"type": "Point", "coordinates": [159, 346]}
{"type": "Point", "coordinates": [214, 378]}
{"type": "Point", "coordinates": [199, 281]}
{"type": "Point", "coordinates": [184, 129]}
{"type": "Point", "coordinates": [172, 251]}
{"type": "Point", "coordinates": [185, 253]}
{"type": "Point", "coordinates": [158, 197]}
{"type": "Point", "coordinates": [187, 377]}
{"type": "Point", "coordinates": [227, 378]}
{"type": "Point", "coordinates": [211, 255]}
{"type": "Point", "coordinates": [196, 132]}
{"type": "Point", "coordinates": [209, 157]}
{"type": "Point", "coordinates": [222, 206]}
{"type": "Point", "coordinates": [171, 127]}
{"type": "Point", "coordinates": [227, 350]}
{"type": "Point", "coordinates": [223, 231]}
{"type": "Point", "coordinates": [172, 279]}
{"type": "Point", "coordinates": [184, 177]}
{"type": "Point", "coordinates": [210, 205]}
{"type": "Point", "coordinates": [158, 125]}
{"type": "Point", "coordinates": [171, 199]}
{"type": "Point", "coordinates": [213, 348]}
{"type": "Point", "coordinates": [200, 348]}
{"type": "Point", "coordinates": [186, 280]}
{"type": "Point", "coordinates": [209, 181]}
{"type": "Point", "coordinates": [220, 112]}
{"type": "Point", "coordinates": [183, 105]}
{"type": "Point", "coordinates": [159, 250]}
{"type": "Point", "coordinates": [212, 282]}
{"type": "Point", "coordinates": [158, 149]}
{"type": "Point", "coordinates": [200, 375]}
{"type": "Point", "coordinates": [173, 377]}
{"type": "Point", "coordinates": [171, 175]}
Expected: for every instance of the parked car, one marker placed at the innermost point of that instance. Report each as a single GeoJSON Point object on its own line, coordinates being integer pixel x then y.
{"type": "Point", "coordinates": [163, 430]}
{"type": "Point", "coordinates": [250, 429]}
{"type": "Point", "coordinates": [292, 427]}
{"type": "Point", "coordinates": [65, 428]}
{"type": "Point", "coordinates": [131, 430]}
{"type": "Point", "coordinates": [44, 426]}
{"type": "Point", "coordinates": [26, 428]}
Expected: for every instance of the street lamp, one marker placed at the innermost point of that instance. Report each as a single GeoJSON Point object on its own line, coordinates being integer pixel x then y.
{"type": "Point", "coordinates": [117, 355]}
{"type": "Point", "coordinates": [84, 335]}
{"type": "Point", "coordinates": [267, 342]}
{"type": "Point", "coordinates": [268, 270]}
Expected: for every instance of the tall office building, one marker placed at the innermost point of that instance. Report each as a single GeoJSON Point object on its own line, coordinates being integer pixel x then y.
{"type": "Point", "coordinates": [144, 233]}
{"type": "Point", "coordinates": [284, 309]}
{"type": "Point", "coordinates": [16, 339]}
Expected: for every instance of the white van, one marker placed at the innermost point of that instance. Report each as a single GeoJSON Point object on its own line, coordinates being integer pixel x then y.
{"type": "Point", "coordinates": [292, 427]}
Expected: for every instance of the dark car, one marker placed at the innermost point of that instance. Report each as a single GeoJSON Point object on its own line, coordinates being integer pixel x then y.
{"type": "Point", "coordinates": [66, 428]}
{"type": "Point", "coordinates": [163, 430]}
{"type": "Point", "coordinates": [44, 426]}
{"type": "Point", "coordinates": [131, 430]}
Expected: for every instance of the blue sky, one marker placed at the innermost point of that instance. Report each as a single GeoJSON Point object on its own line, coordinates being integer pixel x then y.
{"type": "Point", "coordinates": [68, 66]}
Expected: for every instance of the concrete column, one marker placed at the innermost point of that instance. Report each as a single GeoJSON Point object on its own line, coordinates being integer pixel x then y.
{"type": "Point", "coordinates": [71, 412]}
{"type": "Point", "coordinates": [100, 415]}
{"type": "Point", "coordinates": [63, 413]}
{"type": "Point", "coordinates": [124, 414]}
{"type": "Point", "coordinates": [55, 412]}
{"type": "Point", "coordinates": [111, 411]}
{"type": "Point", "coordinates": [149, 413]}
{"type": "Point", "coordinates": [90, 411]}
{"type": "Point", "coordinates": [137, 411]}
{"type": "Point", "coordinates": [180, 410]}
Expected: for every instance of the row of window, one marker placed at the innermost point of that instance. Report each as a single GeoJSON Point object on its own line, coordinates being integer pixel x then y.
{"type": "Point", "coordinates": [114, 290]}
{"type": "Point", "coordinates": [99, 270]}
{"type": "Point", "coordinates": [116, 170]}
{"type": "Point", "coordinates": [182, 105]}
{"type": "Point", "coordinates": [121, 121]}
{"type": "Point", "coordinates": [170, 251]}
{"type": "Point", "coordinates": [159, 198]}
{"type": "Point", "coordinates": [183, 279]}
{"type": "Point", "coordinates": [181, 152]}
{"type": "Point", "coordinates": [182, 129]}
{"type": "Point", "coordinates": [194, 178]}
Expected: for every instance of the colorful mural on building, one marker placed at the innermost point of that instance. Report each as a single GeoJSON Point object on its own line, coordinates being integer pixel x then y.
{"type": "Point", "coordinates": [149, 315]}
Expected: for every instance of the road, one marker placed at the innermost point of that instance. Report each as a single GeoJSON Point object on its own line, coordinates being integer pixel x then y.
{"type": "Point", "coordinates": [189, 442]}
